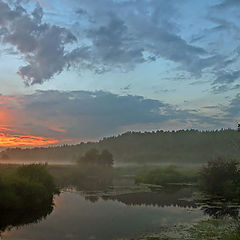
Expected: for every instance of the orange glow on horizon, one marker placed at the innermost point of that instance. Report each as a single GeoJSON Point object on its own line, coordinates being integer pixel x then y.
{"type": "Point", "coordinates": [14, 133]}
{"type": "Point", "coordinates": [7, 140]}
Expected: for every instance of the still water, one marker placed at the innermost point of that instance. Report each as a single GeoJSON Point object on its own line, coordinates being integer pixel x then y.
{"type": "Point", "coordinates": [83, 216]}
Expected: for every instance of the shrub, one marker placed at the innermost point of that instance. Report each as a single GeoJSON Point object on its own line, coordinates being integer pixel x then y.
{"type": "Point", "coordinates": [30, 187]}
{"type": "Point", "coordinates": [37, 173]}
{"type": "Point", "coordinates": [220, 177]}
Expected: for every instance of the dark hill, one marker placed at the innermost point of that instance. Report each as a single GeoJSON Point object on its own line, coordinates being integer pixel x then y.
{"type": "Point", "coordinates": [184, 146]}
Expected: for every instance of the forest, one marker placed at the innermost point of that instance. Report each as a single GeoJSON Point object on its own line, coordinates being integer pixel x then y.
{"type": "Point", "coordinates": [183, 146]}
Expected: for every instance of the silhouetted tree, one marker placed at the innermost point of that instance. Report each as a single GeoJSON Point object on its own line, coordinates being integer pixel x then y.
{"type": "Point", "coordinates": [90, 157]}
{"type": "Point", "coordinates": [93, 157]}
{"type": "Point", "coordinates": [106, 158]}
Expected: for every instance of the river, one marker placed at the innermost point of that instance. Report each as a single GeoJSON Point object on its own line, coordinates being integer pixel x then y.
{"type": "Point", "coordinates": [95, 216]}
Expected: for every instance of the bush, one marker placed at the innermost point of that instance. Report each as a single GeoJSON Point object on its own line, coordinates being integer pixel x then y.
{"type": "Point", "coordinates": [30, 187]}
{"type": "Point", "coordinates": [220, 177]}
{"type": "Point", "coordinates": [37, 173]}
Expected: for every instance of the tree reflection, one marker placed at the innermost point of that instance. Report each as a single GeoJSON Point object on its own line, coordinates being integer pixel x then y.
{"type": "Point", "coordinates": [160, 199]}
{"type": "Point", "coordinates": [220, 209]}
{"type": "Point", "coordinates": [153, 199]}
{"type": "Point", "coordinates": [10, 219]}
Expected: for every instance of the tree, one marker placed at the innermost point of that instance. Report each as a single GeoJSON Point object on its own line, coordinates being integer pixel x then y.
{"type": "Point", "coordinates": [93, 157]}
{"type": "Point", "coordinates": [106, 158]}
{"type": "Point", "coordinates": [90, 157]}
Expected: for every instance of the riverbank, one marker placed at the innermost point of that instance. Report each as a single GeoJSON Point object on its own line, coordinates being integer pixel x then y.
{"type": "Point", "coordinates": [122, 191]}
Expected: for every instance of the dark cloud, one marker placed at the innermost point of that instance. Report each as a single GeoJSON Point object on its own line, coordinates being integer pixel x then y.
{"type": "Point", "coordinates": [93, 114]}
{"type": "Point", "coordinates": [114, 45]}
{"type": "Point", "coordinates": [97, 114]}
{"type": "Point", "coordinates": [43, 46]}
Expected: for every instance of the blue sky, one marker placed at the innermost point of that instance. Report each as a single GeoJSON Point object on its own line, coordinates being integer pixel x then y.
{"type": "Point", "coordinates": [182, 57]}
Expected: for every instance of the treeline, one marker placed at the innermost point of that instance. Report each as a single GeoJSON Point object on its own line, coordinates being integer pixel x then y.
{"type": "Point", "coordinates": [184, 146]}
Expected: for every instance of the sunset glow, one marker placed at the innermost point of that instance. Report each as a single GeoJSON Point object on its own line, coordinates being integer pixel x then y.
{"type": "Point", "coordinates": [7, 140]}
{"type": "Point", "coordinates": [144, 66]}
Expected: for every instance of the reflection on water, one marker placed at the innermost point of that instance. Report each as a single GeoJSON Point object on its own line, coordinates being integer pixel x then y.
{"type": "Point", "coordinates": [218, 208]}
{"type": "Point", "coordinates": [158, 199]}
{"type": "Point", "coordinates": [103, 218]}
{"type": "Point", "coordinates": [10, 219]}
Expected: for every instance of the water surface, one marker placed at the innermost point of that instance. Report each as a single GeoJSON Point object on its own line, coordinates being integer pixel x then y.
{"type": "Point", "coordinates": [84, 216]}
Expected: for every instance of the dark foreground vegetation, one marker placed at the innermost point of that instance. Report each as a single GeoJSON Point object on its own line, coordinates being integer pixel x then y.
{"type": "Point", "coordinates": [184, 146]}
{"type": "Point", "coordinates": [28, 187]}
{"type": "Point", "coordinates": [26, 195]}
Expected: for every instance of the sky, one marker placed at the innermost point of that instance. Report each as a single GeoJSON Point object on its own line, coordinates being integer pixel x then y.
{"type": "Point", "coordinates": [81, 70]}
